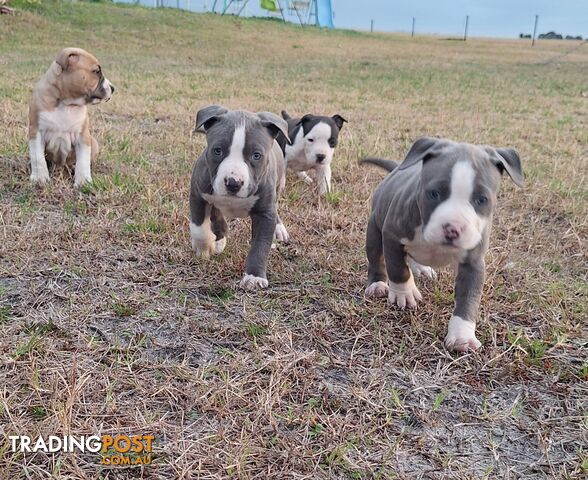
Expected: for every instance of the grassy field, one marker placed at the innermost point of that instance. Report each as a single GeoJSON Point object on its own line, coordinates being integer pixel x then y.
{"type": "Point", "coordinates": [110, 325]}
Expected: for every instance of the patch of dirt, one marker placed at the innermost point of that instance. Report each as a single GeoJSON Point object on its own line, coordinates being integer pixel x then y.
{"type": "Point", "coordinates": [157, 341]}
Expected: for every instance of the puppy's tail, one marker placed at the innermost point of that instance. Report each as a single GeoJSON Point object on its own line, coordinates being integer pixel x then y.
{"type": "Point", "coordinates": [285, 115]}
{"type": "Point", "coordinates": [387, 165]}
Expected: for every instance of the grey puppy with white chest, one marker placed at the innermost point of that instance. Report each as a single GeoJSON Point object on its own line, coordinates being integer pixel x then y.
{"type": "Point", "coordinates": [435, 209]}
{"type": "Point", "coordinates": [240, 173]}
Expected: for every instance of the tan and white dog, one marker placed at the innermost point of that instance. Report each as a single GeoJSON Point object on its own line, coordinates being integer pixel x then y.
{"type": "Point", "coordinates": [59, 127]}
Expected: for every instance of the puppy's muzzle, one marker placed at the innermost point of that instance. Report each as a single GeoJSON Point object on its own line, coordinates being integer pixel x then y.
{"type": "Point", "coordinates": [103, 92]}
{"type": "Point", "coordinates": [232, 185]}
{"type": "Point", "coordinates": [108, 89]}
{"type": "Point", "coordinates": [451, 232]}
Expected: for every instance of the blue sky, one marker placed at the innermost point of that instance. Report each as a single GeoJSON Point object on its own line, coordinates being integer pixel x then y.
{"type": "Point", "coordinates": [494, 18]}
{"type": "Point", "coordinates": [488, 18]}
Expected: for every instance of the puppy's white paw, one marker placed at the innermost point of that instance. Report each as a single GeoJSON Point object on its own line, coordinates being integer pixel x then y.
{"type": "Point", "coordinates": [81, 180]}
{"type": "Point", "coordinates": [461, 335]}
{"type": "Point", "coordinates": [203, 240]}
{"type": "Point", "coordinates": [418, 269]}
{"type": "Point", "coordinates": [281, 233]}
{"type": "Point", "coordinates": [219, 245]}
{"type": "Point", "coordinates": [377, 290]}
{"type": "Point", "coordinates": [305, 177]}
{"type": "Point", "coordinates": [251, 282]}
{"type": "Point", "coordinates": [404, 294]}
{"type": "Point", "coordinates": [324, 188]}
{"type": "Point", "coordinates": [40, 178]}
{"type": "Point", "coordinates": [203, 251]}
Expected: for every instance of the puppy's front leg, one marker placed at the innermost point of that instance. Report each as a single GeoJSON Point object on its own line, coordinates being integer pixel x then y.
{"type": "Point", "coordinates": [377, 277]}
{"type": "Point", "coordinates": [219, 228]}
{"type": "Point", "coordinates": [401, 287]}
{"type": "Point", "coordinates": [263, 226]}
{"type": "Point", "coordinates": [201, 234]}
{"type": "Point", "coordinates": [39, 170]}
{"type": "Point", "coordinates": [83, 173]}
{"type": "Point", "coordinates": [461, 333]}
{"type": "Point", "coordinates": [323, 178]}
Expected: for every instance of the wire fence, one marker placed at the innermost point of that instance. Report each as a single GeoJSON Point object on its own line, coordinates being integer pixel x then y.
{"type": "Point", "coordinates": [302, 12]}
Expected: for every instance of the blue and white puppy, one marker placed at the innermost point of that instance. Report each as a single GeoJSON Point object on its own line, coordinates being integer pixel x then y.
{"type": "Point", "coordinates": [240, 173]}
{"type": "Point", "coordinates": [435, 209]}
{"type": "Point", "coordinates": [314, 139]}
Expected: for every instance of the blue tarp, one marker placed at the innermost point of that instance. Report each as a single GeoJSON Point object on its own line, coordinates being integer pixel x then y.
{"type": "Point", "coordinates": [324, 13]}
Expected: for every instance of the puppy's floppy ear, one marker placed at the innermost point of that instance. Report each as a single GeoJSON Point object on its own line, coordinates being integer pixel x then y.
{"type": "Point", "coordinates": [67, 57]}
{"type": "Point", "coordinates": [304, 119]}
{"type": "Point", "coordinates": [509, 160]}
{"type": "Point", "coordinates": [207, 116]}
{"type": "Point", "coordinates": [422, 150]}
{"type": "Point", "coordinates": [285, 115]}
{"type": "Point", "coordinates": [339, 121]}
{"type": "Point", "coordinates": [275, 125]}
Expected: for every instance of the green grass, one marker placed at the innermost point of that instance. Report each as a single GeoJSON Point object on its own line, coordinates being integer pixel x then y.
{"type": "Point", "coordinates": [150, 225]}
{"type": "Point", "coordinates": [29, 346]}
{"type": "Point", "coordinates": [4, 314]}
{"type": "Point", "coordinates": [42, 329]}
{"type": "Point", "coordinates": [439, 399]}
{"type": "Point", "coordinates": [38, 412]}
{"type": "Point", "coordinates": [256, 332]}
{"type": "Point", "coordinates": [123, 310]}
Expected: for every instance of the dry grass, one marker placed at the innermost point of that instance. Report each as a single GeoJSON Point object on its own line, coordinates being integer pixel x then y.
{"type": "Point", "coordinates": [110, 325]}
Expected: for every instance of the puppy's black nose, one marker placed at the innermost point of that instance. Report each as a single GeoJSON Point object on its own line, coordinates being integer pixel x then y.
{"type": "Point", "coordinates": [320, 157]}
{"type": "Point", "coordinates": [451, 232]}
{"type": "Point", "coordinates": [232, 185]}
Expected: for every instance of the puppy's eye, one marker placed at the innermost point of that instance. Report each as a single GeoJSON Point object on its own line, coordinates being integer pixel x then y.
{"type": "Point", "coordinates": [481, 200]}
{"type": "Point", "coordinates": [310, 140]}
{"type": "Point", "coordinates": [332, 142]}
{"type": "Point", "coordinates": [97, 71]}
{"type": "Point", "coordinates": [256, 157]}
{"type": "Point", "coordinates": [217, 150]}
{"type": "Point", "coordinates": [433, 194]}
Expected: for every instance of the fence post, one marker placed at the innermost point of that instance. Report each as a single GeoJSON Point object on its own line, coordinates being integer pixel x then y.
{"type": "Point", "coordinates": [535, 30]}
{"type": "Point", "coordinates": [465, 32]}
{"type": "Point", "coordinates": [413, 21]}
{"type": "Point", "coordinates": [372, 26]}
